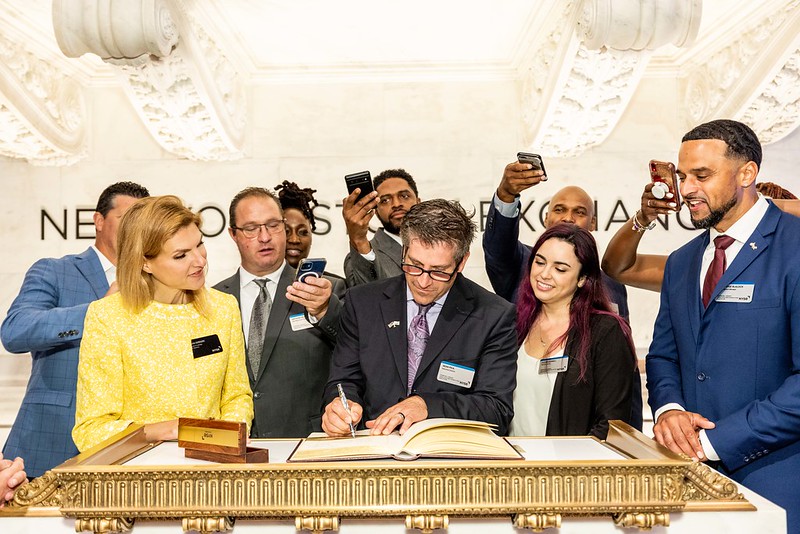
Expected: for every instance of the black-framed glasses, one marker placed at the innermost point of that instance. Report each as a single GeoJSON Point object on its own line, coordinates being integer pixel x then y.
{"type": "Point", "coordinates": [438, 276]}
{"type": "Point", "coordinates": [250, 231]}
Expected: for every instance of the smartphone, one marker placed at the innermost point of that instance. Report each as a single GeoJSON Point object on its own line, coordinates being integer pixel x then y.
{"type": "Point", "coordinates": [360, 180]}
{"type": "Point", "coordinates": [310, 267]}
{"type": "Point", "coordinates": [663, 172]}
{"type": "Point", "coordinates": [533, 159]}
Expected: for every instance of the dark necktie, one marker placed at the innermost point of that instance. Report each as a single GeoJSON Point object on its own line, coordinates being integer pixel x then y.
{"type": "Point", "coordinates": [258, 325]}
{"type": "Point", "coordinates": [417, 340]}
{"type": "Point", "coordinates": [717, 267]}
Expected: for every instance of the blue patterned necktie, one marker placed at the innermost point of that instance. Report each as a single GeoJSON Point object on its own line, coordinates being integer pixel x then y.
{"type": "Point", "coordinates": [258, 325]}
{"type": "Point", "coordinates": [417, 339]}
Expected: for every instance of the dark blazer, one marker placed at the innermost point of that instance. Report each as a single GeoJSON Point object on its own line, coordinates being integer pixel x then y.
{"type": "Point", "coordinates": [507, 258]}
{"type": "Point", "coordinates": [294, 365]}
{"type": "Point", "coordinates": [738, 363]}
{"type": "Point", "coordinates": [46, 319]}
{"type": "Point", "coordinates": [475, 329]}
{"type": "Point", "coordinates": [579, 408]}
{"type": "Point", "coordinates": [388, 256]}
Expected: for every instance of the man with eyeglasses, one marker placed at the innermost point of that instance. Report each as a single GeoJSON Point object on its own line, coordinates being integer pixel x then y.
{"type": "Point", "coordinates": [369, 260]}
{"type": "Point", "coordinates": [290, 327]}
{"type": "Point", "coordinates": [427, 343]}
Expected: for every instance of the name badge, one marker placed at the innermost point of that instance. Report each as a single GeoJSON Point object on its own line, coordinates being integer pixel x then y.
{"type": "Point", "coordinates": [204, 346]}
{"type": "Point", "coordinates": [458, 375]}
{"type": "Point", "coordinates": [299, 322]}
{"type": "Point", "coordinates": [555, 364]}
{"type": "Point", "coordinates": [737, 292]}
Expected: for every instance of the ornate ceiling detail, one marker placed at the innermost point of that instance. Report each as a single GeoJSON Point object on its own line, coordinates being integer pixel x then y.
{"type": "Point", "coordinates": [42, 113]}
{"type": "Point", "coordinates": [581, 82]}
{"type": "Point", "coordinates": [754, 77]}
{"type": "Point", "coordinates": [181, 84]}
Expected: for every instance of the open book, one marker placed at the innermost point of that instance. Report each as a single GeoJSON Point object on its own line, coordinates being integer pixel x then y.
{"type": "Point", "coordinates": [432, 438]}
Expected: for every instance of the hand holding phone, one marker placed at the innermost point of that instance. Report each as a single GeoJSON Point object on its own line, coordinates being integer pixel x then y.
{"type": "Point", "coordinates": [359, 180]}
{"type": "Point", "coordinates": [310, 267]}
{"type": "Point", "coordinates": [535, 160]}
{"type": "Point", "coordinates": [665, 180]}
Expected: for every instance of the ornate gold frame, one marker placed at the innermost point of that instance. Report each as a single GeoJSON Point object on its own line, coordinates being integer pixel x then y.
{"type": "Point", "coordinates": [638, 492]}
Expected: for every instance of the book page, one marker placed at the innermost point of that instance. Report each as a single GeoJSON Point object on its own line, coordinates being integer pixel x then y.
{"type": "Point", "coordinates": [318, 446]}
{"type": "Point", "coordinates": [456, 438]}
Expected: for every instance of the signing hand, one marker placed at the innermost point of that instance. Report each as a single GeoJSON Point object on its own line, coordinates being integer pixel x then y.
{"type": "Point", "coordinates": [336, 420]}
{"type": "Point", "coordinates": [517, 177]}
{"type": "Point", "coordinates": [404, 414]}
{"type": "Point", "coordinates": [679, 432]}
{"type": "Point", "coordinates": [314, 293]}
{"type": "Point", "coordinates": [357, 216]}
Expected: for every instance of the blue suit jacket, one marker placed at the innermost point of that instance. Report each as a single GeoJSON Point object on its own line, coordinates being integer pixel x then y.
{"type": "Point", "coordinates": [46, 319]}
{"type": "Point", "coordinates": [738, 363]}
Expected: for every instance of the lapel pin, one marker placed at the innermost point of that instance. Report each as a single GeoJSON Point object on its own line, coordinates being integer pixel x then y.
{"type": "Point", "coordinates": [393, 324]}
{"type": "Point", "coordinates": [753, 246]}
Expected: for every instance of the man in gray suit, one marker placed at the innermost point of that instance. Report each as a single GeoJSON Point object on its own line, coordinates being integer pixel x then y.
{"type": "Point", "coordinates": [395, 193]}
{"type": "Point", "coordinates": [300, 320]}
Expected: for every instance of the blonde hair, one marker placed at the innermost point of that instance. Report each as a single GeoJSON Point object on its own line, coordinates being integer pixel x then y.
{"type": "Point", "coordinates": [145, 227]}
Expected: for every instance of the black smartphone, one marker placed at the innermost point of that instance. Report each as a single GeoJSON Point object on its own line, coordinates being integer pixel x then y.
{"type": "Point", "coordinates": [310, 267]}
{"type": "Point", "coordinates": [533, 159]}
{"type": "Point", "coordinates": [360, 180]}
{"type": "Point", "coordinates": [665, 179]}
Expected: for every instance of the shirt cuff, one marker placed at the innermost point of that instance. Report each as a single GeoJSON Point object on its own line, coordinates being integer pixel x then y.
{"type": "Point", "coordinates": [666, 408]}
{"type": "Point", "coordinates": [369, 256]}
{"type": "Point", "coordinates": [508, 210]}
{"type": "Point", "coordinates": [708, 448]}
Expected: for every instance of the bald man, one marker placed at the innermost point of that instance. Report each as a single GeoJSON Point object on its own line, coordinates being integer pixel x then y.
{"type": "Point", "coordinates": [506, 257]}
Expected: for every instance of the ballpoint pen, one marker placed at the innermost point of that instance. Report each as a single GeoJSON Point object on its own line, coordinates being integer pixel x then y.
{"type": "Point", "coordinates": [343, 398]}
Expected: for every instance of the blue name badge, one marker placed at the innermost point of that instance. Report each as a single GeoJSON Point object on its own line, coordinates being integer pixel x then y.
{"type": "Point", "coordinates": [458, 375]}
{"type": "Point", "coordinates": [737, 292]}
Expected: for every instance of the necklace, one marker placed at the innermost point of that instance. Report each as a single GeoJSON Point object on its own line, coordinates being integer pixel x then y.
{"type": "Point", "coordinates": [541, 339]}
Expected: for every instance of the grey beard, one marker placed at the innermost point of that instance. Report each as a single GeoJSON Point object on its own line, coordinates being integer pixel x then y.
{"type": "Point", "coordinates": [713, 218]}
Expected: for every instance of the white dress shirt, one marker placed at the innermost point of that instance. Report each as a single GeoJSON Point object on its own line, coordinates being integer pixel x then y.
{"type": "Point", "coordinates": [249, 290]}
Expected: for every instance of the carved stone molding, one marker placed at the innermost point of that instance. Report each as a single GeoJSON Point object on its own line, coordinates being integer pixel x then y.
{"type": "Point", "coordinates": [646, 24]}
{"type": "Point", "coordinates": [189, 96]}
{"type": "Point", "coordinates": [42, 112]}
{"type": "Point", "coordinates": [752, 78]}
{"type": "Point", "coordinates": [129, 31]}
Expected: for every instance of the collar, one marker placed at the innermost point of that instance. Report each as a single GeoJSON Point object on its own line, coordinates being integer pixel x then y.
{"type": "Point", "coordinates": [395, 237]}
{"type": "Point", "coordinates": [245, 276]}
{"type": "Point", "coordinates": [742, 229]}
{"type": "Point", "coordinates": [437, 302]}
{"type": "Point", "coordinates": [105, 263]}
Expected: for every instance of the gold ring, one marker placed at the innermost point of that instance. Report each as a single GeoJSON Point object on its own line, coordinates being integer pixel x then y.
{"type": "Point", "coordinates": [648, 204]}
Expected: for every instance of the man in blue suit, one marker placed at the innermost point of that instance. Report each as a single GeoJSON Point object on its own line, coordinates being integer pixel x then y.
{"type": "Point", "coordinates": [46, 319]}
{"type": "Point", "coordinates": [723, 370]}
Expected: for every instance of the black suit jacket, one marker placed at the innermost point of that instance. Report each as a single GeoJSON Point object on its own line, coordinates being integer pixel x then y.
{"type": "Point", "coordinates": [475, 329]}
{"type": "Point", "coordinates": [294, 365]}
{"type": "Point", "coordinates": [579, 408]}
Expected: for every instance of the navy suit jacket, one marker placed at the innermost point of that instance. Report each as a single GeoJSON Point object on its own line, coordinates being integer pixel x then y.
{"type": "Point", "coordinates": [738, 363]}
{"type": "Point", "coordinates": [46, 319]}
{"type": "Point", "coordinates": [475, 329]}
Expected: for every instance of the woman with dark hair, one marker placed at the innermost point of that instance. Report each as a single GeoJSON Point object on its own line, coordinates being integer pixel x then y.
{"type": "Point", "coordinates": [576, 363]}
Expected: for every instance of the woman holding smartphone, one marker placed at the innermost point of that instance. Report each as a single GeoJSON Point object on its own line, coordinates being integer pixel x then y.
{"type": "Point", "coordinates": [164, 346]}
{"type": "Point", "coordinates": [576, 362]}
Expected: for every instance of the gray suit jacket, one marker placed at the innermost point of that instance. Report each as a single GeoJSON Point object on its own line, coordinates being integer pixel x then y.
{"type": "Point", "coordinates": [388, 256]}
{"type": "Point", "coordinates": [287, 393]}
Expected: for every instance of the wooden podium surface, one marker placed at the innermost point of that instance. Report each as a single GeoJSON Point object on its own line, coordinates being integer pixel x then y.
{"type": "Point", "coordinates": [569, 484]}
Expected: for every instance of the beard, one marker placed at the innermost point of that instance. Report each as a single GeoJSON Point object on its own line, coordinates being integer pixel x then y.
{"type": "Point", "coordinates": [390, 227]}
{"type": "Point", "coordinates": [716, 215]}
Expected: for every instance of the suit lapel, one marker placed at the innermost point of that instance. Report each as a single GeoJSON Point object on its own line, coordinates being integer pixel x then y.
{"type": "Point", "coordinates": [88, 264]}
{"type": "Point", "coordinates": [393, 312]}
{"type": "Point", "coordinates": [231, 286]}
{"type": "Point", "coordinates": [389, 247]}
{"type": "Point", "coordinates": [694, 298]}
{"type": "Point", "coordinates": [277, 317]}
{"type": "Point", "coordinates": [457, 307]}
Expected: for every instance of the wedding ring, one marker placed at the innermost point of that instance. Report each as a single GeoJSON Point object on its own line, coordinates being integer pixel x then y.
{"type": "Point", "coordinates": [401, 414]}
{"type": "Point", "coordinates": [648, 203]}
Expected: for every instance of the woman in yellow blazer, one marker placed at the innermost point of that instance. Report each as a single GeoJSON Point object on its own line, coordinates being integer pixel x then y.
{"type": "Point", "coordinates": [164, 346]}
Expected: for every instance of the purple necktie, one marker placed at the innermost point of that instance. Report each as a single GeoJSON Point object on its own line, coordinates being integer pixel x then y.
{"type": "Point", "coordinates": [417, 339]}
{"type": "Point", "coordinates": [717, 267]}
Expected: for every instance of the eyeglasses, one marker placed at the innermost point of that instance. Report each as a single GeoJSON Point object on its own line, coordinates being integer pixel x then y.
{"type": "Point", "coordinates": [438, 276]}
{"type": "Point", "coordinates": [251, 231]}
